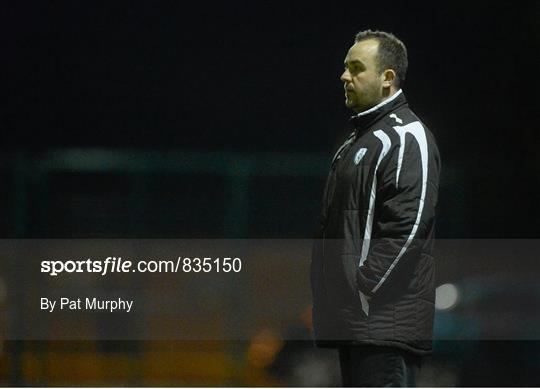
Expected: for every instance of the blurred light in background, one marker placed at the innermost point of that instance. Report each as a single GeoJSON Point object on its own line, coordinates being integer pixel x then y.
{"type": "Point", "coordinates": [446, 297]}
{"type": "Point", "coordinates": [264, 347]}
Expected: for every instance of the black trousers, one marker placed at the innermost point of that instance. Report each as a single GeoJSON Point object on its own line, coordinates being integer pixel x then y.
{"type": "Point", "coordinates": [378, 366]}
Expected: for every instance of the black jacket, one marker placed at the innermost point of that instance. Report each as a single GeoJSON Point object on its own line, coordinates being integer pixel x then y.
{"type": "Point", "coordinates": [372, 272]}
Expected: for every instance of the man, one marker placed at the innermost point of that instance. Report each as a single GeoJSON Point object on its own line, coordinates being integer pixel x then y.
{"type": "Point", "coordinates": [372, 272]}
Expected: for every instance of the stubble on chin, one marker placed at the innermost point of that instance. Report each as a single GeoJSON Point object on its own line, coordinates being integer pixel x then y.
{"type": "Point", "coordinates": [352, 105]}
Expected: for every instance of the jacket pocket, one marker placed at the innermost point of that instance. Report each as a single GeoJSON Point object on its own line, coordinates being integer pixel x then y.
{"type": "Point", "coordinates": [349, 265]}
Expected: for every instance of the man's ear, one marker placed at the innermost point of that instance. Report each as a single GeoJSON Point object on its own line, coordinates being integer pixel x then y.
{"type": "Point", "coordinates": [389, 77]}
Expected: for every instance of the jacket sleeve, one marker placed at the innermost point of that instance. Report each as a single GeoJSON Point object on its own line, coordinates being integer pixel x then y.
{"type": "Point", "coordinates": [403, 212]}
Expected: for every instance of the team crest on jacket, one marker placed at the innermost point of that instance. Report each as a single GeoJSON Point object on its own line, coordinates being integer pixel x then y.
{"type": "Point", "coordinates": [359, 155]}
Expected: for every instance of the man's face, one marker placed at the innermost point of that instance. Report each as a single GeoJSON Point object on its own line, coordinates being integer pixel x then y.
{"type": "Point", "coordinates": [362, 82]}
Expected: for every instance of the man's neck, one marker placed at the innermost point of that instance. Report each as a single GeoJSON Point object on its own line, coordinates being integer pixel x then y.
{"type": "Point", "coordinates": [388, 99]}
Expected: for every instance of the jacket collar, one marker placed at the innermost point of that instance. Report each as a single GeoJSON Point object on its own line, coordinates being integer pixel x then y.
{"type": "Point", "coordinates": [364, 119]}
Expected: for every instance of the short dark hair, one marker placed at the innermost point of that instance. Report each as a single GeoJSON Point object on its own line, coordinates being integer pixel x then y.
{"type": "Point", "coordinates": [392, 53]}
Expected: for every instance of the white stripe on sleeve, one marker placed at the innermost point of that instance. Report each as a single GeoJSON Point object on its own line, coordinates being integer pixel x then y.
{"type": "Point", "coordinates": [417, 130]}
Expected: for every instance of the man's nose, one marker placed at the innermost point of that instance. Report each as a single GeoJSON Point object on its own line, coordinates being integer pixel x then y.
{"type": "Point", "coordinates": [345, 76]}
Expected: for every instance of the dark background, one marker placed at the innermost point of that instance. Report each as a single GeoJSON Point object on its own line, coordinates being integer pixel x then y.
{"type": "Point", "coordinates": [263, 77]}
{"type": "Point", "coordinates": [171, 119]}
